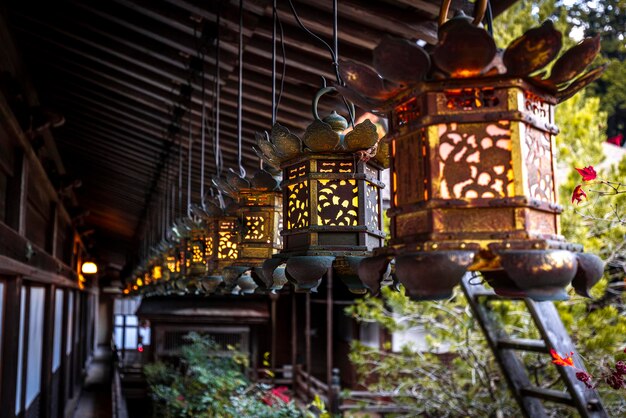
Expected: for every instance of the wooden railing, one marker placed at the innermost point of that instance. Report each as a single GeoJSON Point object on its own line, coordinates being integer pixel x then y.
{"type": "Point", "coordinates": [118, 402]}
{"type": "Point", "coordinates": [306, 386]}
{"type": "Point", "coordinates": [381, 403]}
{"type": "Point", "coordinates": [280, 376]}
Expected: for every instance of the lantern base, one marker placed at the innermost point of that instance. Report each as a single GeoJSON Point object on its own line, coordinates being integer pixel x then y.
{"type": "Point", "coordinates": [539, 269]}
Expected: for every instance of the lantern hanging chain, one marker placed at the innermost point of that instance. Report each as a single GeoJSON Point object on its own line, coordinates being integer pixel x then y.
{"type": "Point", "coordinates": [489, 18]}
{"type": "Point", "coordinates": [334, 52]}
{"type": "Point", "coordinates": [276, 101]}
{"type": "Point", "coordinates": [217, 152]}
{"type": "Point", "coordinates": [284, 66]}
{"type": "Point", "coordinates": [189, 162]}
{"type": "Point", "coordinates": [203, 122]}
{"type": "Point", "coordinates": [323, 42]}
{"type": "Point", "coordinates": [180, 178]}
{"type": "Point", "coordinates": [273, 65]}
{"type": "Point", "coordinates": [165, 205]}
{"type": "Point", "coordinates": [242, 171]}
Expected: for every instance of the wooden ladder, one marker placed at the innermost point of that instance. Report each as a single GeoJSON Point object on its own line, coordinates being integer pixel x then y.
{"type": "Point", "coordinates": [553, 336]}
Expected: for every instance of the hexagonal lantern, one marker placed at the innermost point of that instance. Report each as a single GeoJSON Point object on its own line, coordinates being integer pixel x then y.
{"type": "Point", "coordinates": [259, 217]}
{"type": "Point", "coordinates": [212, 246]}
{"type": "Point", "coordinates": [472, 159]}
{"type": "Point", "coordinates": [332, 195]}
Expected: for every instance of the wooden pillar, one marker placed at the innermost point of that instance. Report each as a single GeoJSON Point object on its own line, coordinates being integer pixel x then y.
{"type": "Point", "coordinates": [63, 368]}
{"type": "Point", "coordinates": [307, 341]}
{"type": "Point", "coordinates": [25, 349]}
{"type": "Point", "coordinates": [52, 236]}
{"type": "Point", "coordinates": [10, 345]}
{"type": "Point", "coordinates": [273, 298]}
{"type": "Point", "coordinates": [47, 352]}
{"type": "Point", "coordinates": [329, 337]}
{"type": "Point", "coordinates": [294, 339]}
{"type": "Point", "coordinates": [17, 188]}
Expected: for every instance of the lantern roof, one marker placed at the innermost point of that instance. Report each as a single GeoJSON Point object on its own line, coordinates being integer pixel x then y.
{"type": "Point", "coordinates": [465, 51]}
{"type": "Point", "coordinates": [328, 135]}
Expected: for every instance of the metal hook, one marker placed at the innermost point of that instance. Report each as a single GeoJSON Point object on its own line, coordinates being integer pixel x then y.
{"type": "Point", "coordinates": [479, 11]}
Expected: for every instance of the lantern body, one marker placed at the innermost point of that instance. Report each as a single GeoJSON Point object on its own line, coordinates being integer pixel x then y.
{"type": "Point", "coordinates": [174, 261]}
{"type": "Point", "coordinates": [222, 248]}
{"type": "Point", "coordinates": [199, 245]}
{"type": "Point", "coordinates": [332, 205]}
{"type": "Point", "coordinates": [473, 162]}
{"type": "Point", "coordinates": [260, 220]}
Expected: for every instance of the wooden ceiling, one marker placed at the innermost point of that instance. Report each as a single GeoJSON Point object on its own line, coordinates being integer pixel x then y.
{"type": "Point", "coordinates": [115, 69]}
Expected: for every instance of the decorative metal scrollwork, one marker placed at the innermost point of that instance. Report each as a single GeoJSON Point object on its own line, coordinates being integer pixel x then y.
{"type": "Point", "coordinates": [227, 248]}
{"type": "Point", "coordinates": [538, 158]}
{"type": "Point", "coordinates": [475, 160]}
{"type": "Point", "coordinates": [337, 203]}
{"type": "Point", "coordinates": [298, 205]}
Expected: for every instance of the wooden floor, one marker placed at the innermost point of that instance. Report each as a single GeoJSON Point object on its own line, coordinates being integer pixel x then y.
{"type": "Point", "coordinates": [95, 399]}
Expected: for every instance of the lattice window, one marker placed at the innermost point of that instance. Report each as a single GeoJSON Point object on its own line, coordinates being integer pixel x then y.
{"type": "Point", "coordinates": [208, 242]}
{"type": "Point", "coordinates": [172, 265]}
{"type": "Point", "coordinates": [296, 172]}
{"type": "Point", "coordinates": [335, 166]}
{"type": "Point", "coordinates": [372, 210]}
{"type": "Point", "coordinates": [255, 227]}
{"type": "Point", "coordinates": [536, 105]}
{"type": "Point", "coordinates": [227, 248]}
{"type": "Point", "coordinates": [196, 248]}
{"type": "Point", "coordinates": [538, 158]}
{"type": "Point", "coordinates": [337, 202]}
{"type": "Point", "coordinates": [471, 99]}
{"type": "Point", "coordinates": [475, 160]}
{"type": "Point", "coordinates": [406, 113]}
{"type": "Point", "coordinates": [157, 272]}
{"type": "Point", "coordinates": [278, 238]}
{"type": "Point", "coordinates": [298, 205]}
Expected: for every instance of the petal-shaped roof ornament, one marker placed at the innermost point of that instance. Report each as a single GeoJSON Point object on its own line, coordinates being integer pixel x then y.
{"type": "Point", "coordinates": [574, 61]}
{"type": "Point", "coordinates": [363, 79]}
{"type": "Point", "coordinates": [363, 136]}
{"type": "Point", "coordinates": [286, 144]}
{"type": "Point", "coordinates": [264, 180]}
{"type": "Point", "coordinates": [581, 82]}
{"type": "Point", "coordinates": [401, 61]}
{"type": "Point", "coordinates": [533, 50]}
{"type": "Point", "coordinates": [320, 136]}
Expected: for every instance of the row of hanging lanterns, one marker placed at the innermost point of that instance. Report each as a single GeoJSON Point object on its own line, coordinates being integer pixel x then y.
{"type": "Point", "coordinates": [471, 149]}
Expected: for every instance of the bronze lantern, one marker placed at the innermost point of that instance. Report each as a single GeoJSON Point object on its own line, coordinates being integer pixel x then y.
{"type": "Point", "coordinates": [219, 241]}
{"type": "Point", "coordinates": [259, 221]}
{"type": "Point", "coordinates": [332, 195]}
{"type": "Point", "coordinates": [473, 159]}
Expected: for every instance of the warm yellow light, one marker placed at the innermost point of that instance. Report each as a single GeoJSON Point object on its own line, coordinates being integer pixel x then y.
{"type": "Point", "coordinates": [89, 267]}
{"type": "Point", "coordinates": [157, 273]}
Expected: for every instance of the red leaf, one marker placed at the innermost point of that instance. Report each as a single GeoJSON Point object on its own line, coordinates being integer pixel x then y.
{"type": "Point", "coordinates": [579, 194]}
{"type": "Point", "coordinates": [587, 173]}
{"type": "Point", "coordinates": [566, 361]}
{"type": "Point", "coordinates": [616, 140]}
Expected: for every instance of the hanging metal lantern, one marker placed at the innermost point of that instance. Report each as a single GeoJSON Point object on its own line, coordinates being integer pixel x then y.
{"type": "Point", "coordinates": [473, 159]}
{"type": "Point", "coordinates": [221, 247]}
{"type": "Point", "coordinates": [259, 219]}
{"type": "Point", "coordinates": [332, 195]}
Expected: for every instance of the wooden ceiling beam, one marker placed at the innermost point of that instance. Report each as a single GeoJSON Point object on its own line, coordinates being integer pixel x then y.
{"type": "Point", "coordinates": [113, 165]}
{"type": "Point", "coordinates": [122, 151]}
{"type": "Point", "coordinates": [378, 16]}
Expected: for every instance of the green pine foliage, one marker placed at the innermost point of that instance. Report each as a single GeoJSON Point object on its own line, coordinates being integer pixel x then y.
{"type": "Point", "coordinates": [207, 383]}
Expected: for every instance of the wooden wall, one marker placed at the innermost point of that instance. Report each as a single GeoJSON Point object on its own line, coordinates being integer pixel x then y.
{"type": "Point", "coordinates": [46, 317]}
